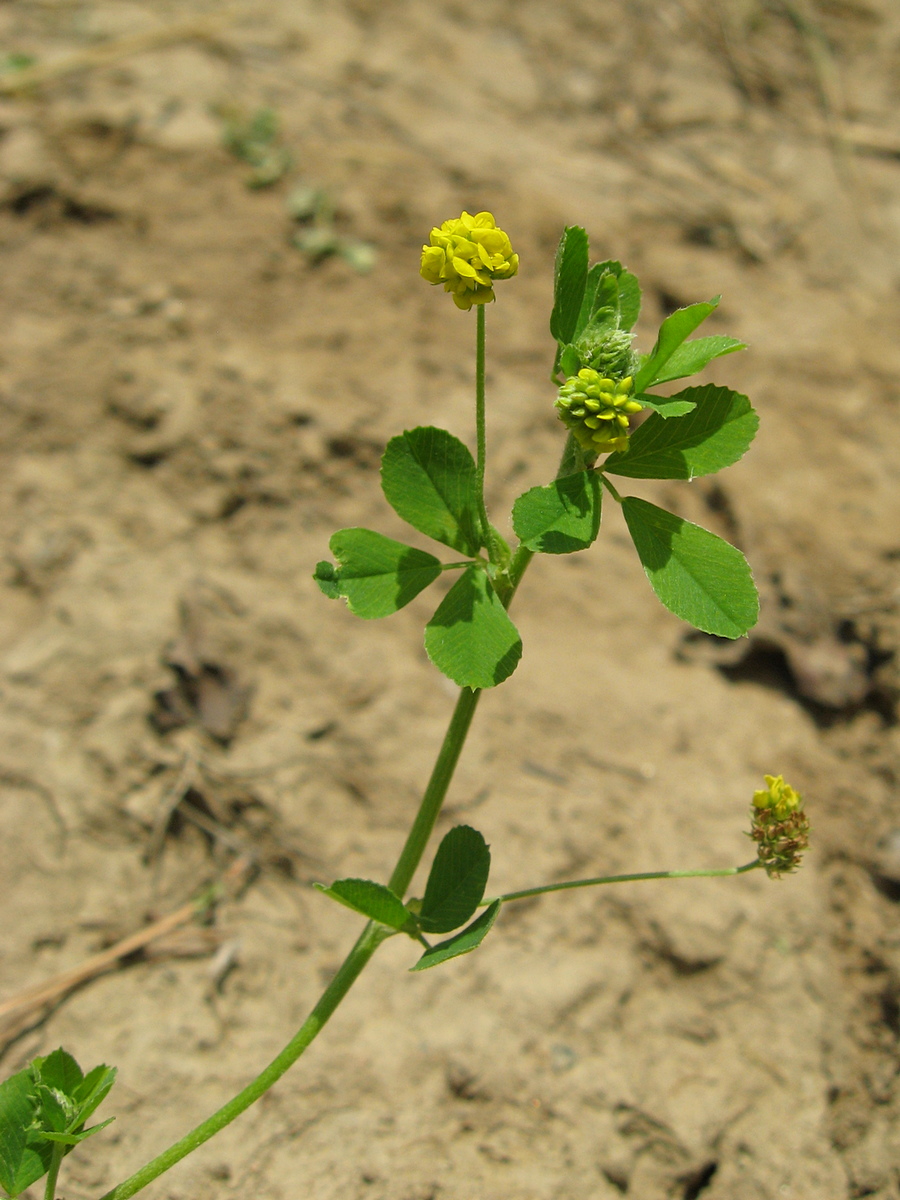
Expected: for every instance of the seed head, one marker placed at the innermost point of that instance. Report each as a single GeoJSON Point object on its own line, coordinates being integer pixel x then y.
{"type": "Point", "coordinates": [466, 255]}
{"type": "Point", "coordinates": [779, 826]}
{"type": "Point", "coordinates": [596, 409]}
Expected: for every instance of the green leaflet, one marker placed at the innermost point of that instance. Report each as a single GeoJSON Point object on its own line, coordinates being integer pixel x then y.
{"type": "Point", "coordinates": [457, 880]}
{"type": "Point", "coordinates": [695, 574]}
{"type": "Point", "coordinates": [428, 477]}
{"type": "Point", "coordinates": [93, 1089]}
{"type": "Point", "coordinates": [562, 517]}
{"type": "Point", "coordinates": [72, 1139]}
{"type": "Point", "coordinates": [373, 900]}
{"type": "Point", "coordinates": [20, 1164]}
{"type": "Point", "coordinates": [693, 356]}
{"type": "Point", "coordinates": [60, 1070]}
{"type": "Point", "coordinates": [570, 273]}
{"type": "Point", "coordinates": [470, 637]}
{"type": "Point", "coordinates": [461, 943]}
{"type": "Point", "coordinates": [376, 575]}
{"type": "Point", "coordinates": [715, 434]}
{"type": "Point", "coordinates": [672, 333]}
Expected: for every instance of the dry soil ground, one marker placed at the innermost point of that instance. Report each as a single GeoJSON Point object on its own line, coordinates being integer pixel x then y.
{"type": "Point", "coordinates": [190, 406]}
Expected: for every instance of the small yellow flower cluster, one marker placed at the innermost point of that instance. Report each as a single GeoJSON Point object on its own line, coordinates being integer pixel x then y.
{"type": "Point", "coordinates": [466, 255]}
{"type": "Point", "coordinates": [780, 827]}
{"type": "Point", "coordinates": [778, 796]}
{"type": "Point", "coordinates": [596, 410]}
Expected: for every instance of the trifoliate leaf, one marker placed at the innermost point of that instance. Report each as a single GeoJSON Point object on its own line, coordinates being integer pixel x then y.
{"type": "Point", "coordinates": [695, 574]}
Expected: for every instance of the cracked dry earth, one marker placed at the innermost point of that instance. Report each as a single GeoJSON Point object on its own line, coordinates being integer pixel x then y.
{"type": "Point", "coordinates": [190, 405]}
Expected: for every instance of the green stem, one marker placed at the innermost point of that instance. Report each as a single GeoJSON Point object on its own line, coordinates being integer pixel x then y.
{"type": "Point", "coordinates": [366, 945]}
{"type": "Point", "coordinates": [442, 773]}
{"type": "Point", "coordinates": [609, 487]}
{"type": "Point", "coordinates": [358, 957]}
{"type": "Point", "coordinates": [52, 1175]}
{"type": "Point", "coordinates": [582, 883]}
{"type": "Point", "coordinates": [410, 857]}
{"type": "Point", "coordinates": [480, 433]}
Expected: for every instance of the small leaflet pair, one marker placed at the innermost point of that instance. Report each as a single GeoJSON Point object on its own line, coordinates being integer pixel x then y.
{"type": "Point", "coordinates": [453, 893]}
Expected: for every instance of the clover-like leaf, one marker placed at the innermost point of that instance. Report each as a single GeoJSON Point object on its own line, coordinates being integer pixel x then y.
{"type": "Point", "coordinates": [376, 575]}
{"type": "Point", "coordinates": [562, 517]}
{"type": "Point", "coordinates": [428, 477]}
{"type": "Point", "coordinates": [465, 942]}
{"type": "Point", "coordinates": [695, 574]}
{"type": "Point", "coordinates": [457, 880]}
{"type": "Point", "coordinates": [470, 637]}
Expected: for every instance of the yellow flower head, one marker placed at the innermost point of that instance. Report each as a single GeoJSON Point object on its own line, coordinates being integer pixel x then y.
{"type": "Point", "coordinates": [466, 255]}
{"type": "Point", "coordinates": [596, 410]}
{"type": "Point", "coordinates": [778, 796]}
{"type": "Point", "coordinates": [779, 826]}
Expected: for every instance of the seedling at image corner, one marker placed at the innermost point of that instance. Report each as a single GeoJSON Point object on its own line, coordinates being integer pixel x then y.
{"type": "Point", "coordinates": [431, 480]}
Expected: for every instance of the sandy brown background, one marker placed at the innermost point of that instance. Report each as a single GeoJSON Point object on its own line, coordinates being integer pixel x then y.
{"type": "Point", "coordinates": [190, 407]}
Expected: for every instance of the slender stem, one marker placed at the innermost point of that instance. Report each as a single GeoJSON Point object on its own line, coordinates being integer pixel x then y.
{"type": "Point", "coordinates": [55, 1160]}
{"type": "Point", "coordinates": [366, 945]}
{"type": "Point", "coordinates": [480, 432]}
{"type": "Point", "coordinates": [442, 773]}
{"type": "Point", "coordinates": [582, 883]}
{"type": "Point", "coordinates": [410, 857]}
{"type": "Point", "coordinates": [609, 487]}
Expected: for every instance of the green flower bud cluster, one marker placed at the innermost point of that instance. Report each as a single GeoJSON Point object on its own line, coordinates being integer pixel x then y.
{"type": "Point", "coordinates": [780, 827]}
{"type": "Point", "coordinates": [609, 354]}
{"type": "Point", "coordinates": [596, 409]}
